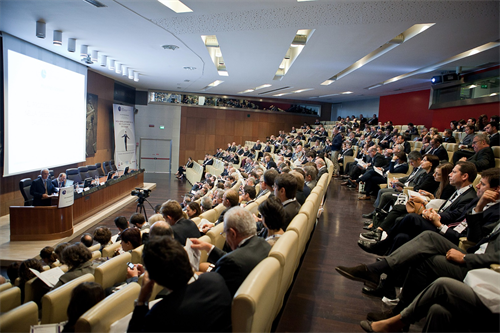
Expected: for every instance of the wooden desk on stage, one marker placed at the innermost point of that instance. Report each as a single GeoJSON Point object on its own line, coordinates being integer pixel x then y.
{"type": "Point", "coordinates": [46, 223]}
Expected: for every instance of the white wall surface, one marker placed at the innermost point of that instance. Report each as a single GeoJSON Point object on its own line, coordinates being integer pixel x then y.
{"type": "Point", "coordinates": [158, 115]}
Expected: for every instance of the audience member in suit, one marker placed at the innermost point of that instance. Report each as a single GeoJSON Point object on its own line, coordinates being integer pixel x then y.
{"type": "Point", "coordinates": [257, 145]}
{"type": "Point", "coordinates": [310, 179]}
{"type": "Point", "coordinates": [448, 136]}
{"type": "Point", "coordinates": [247, 249]}
{"type": "Point", "coordinates": [60, 181]}
{"type": "Point", "coordinates": [412, 130]}
{"type": "Point", "coordinates": [192, 304]}
{"type": "Point", "coordinates": [426, 258]}
{"type": "Point", "coordinates": [322, 169]}
{"type": "Point", "coordinates": [450, 212]}
{"type": "Point", "coordinates": [139, 221]}
{"type": "Point", "coordinates": [302, 190]}
{"type": "Point", "coordinates": [492, 130]}
{"type": "Point", "coordinates": [285, 189]}
{"type": "Point", "coordinates": [465, 146]}
{"type": "Point", "coordinates": [335, 148]}
{"type": "Point", "coordinates": [182, 228]}
{"type": "Point", "coordinates": [41, 189]}
{"type": "Point", "coordinates": [269, 162]}
{"type": "Point", "coordinates": [402, 141]}
{"type": "Point", "coordinates": [437, 148]}
{"type": "Point", "coordinates": [484, 158]}
{"type": "Point", "coordinates": [77, 257]}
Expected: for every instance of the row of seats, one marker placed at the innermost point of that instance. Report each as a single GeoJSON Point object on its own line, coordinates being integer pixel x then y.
{"type": "Point", "coordinates": [90, 171]}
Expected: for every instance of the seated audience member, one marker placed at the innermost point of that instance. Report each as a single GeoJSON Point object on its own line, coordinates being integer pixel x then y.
{"type": "Point", "coordinates": [121, 224]}
{"type": "Point", "coordinates": [139, 221]}
{"type": "Point", "coordinates": [131, 239]}
{"type": "Point", "coordinates": [155, 218]}
{"type": "Point", "coordinates": [49, 257]}
{"type": "Point", "coordinates": [78, 258]}
{"type": "Point", "coordinates": [193, 303]}
{"type": "Point", "coordinates": [300, 195]}
{"type": "Point", "coordinates": [41, 189]}
{"type": "Point", "coordinates": [492, 130]}
{"type": "Point", "coordinates": [448, 136]}
{"type": "Point", "coordinates": [465, 146]}
{"type": "Point", "coordinates": [247, 249]}
{"type": "Point", "coordinates": [285, 189]}
{"type": "Point", "coordinates": [451, 223]}
{"type": "Point", "coordinates": [181, 172]}
{"type": "Point", "coordinates": [426, 258]}
{"type": "Point", "coordinates": [229, 200]}
{"type": "Point", "coordinates": [248, 195]}
{"type": "Point", "coordinates": [13, 271]}
{"type": "Point", "coordinates": [322, 169]}
{"type": "Point", "coordinates": [102, 235]}
{"type": "Point", "coordinates": [206, 203]}
{"type": "Point", "coordinates": [59, 250]}
{"type": "Point", "coordinates": [273, 217]}
{"type": "Point", "coordinates": [310, 179]}
{"type": "Point", "coordinates": [161, 228]}
{"type": "Point", "coordinates": [83, 298]}
{"type": "Point", "coordinates": [157, 208]}
{"type": "Point", "coordinates": [38, 286]}
{"type": "Point", "coordinates": [484, 158]}
{"type": "Point", "coordinates": [87, 239]}
{"type": "Point", "coordinates": [372, 179]}
{"type": "Point", "coordinates": [447, 306]}
{"type": "Point", "coordinates": [182, 228]}
{"type": "Point", "coordinates": [60, 181]}
{"type": "Point", "coordinates": [267, 182]}
{"type": "Point", "coordinates": [437, 148]}
{"type": "Point", "coordinates": [193, 210]}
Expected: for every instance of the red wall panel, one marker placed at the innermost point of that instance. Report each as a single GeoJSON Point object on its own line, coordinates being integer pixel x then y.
{"type": "Point", "coordinates": [442, 117]}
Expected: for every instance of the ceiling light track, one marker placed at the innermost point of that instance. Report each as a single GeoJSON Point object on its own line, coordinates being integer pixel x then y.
{"type": "Point", "coordinates": [296, 47]}
{"type": "Point", "coordinates": [215, 52]}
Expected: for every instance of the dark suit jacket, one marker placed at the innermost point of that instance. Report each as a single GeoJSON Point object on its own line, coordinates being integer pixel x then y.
{"type": "Point", "coordinates": [321, 172]}
{"type": "Point", "coordinates": [495, 140]}
{"type": "Point", "coordinates": [450, 139]}
{"type": "Point", "coordinates": [184, 229]}
{"type": "Point", "coordinates": [209, 162]}
{"type": "Point", "coordinates": [419, 174]}
{"type": "Point", "coordinates": [426, 183]}
{"type": "Point", "coordinates": [441, 153]}
{"type": "Point", "coordinates": [483, 159]}
{"type": "Point", "coordinates": [55, 182]}
{"type": "Point", "coordinates": [462, 200]}
{"type": "Point", "coordinates": [38, 189]}
{"type": "Point", "coordinates": [271, 164]}
{"type": "Point", "coordinates": [257, 146]}
{"type": "Point", "coordinates": [237, 264]}
{"type": "Point", "coordinates": [206, 299]}
{"type": "Point", "coordinates": [291, 210]}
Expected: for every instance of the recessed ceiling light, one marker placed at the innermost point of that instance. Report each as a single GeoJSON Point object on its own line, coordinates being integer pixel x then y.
{"type": "Point", "coordinates": [346, 92]}
{"type": "Point", "coordinates": [215, 53]}
{"type": "Point", "coordinates": [176, 6]}
{"type": "Point", "coordinates": [298, 43]}
{"type": "Point", "coordinates": [263, 86]}
{"type": "Point", "coordinates": [215, 83]}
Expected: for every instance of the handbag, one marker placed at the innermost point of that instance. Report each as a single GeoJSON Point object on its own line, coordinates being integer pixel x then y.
{"type": "Point", "coordinates": [414, 207]}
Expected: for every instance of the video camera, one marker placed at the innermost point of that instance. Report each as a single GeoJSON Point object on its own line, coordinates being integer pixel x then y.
{"type": "Point", "coordinates": [141, 194]}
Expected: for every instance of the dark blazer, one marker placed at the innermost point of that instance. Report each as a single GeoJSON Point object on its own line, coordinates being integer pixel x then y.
{"type": "Point", "coordinates": [76, 272]}
{"type": "Point", "coordinates": [419, 173]}
{"type": "Point", "coordinates": [426, 183]}
{"type": "Point", "coordinates": [55, 182]}
{"type": "Point", "coordinates": [209, 162]}
{"type": "Point", "coordinates": [207, 299]}
{"type": "Point", "coordinates": [237, 264]}
{"type": "Point", "coordinates": [495, 140]}
{"type": "Point", "coordinates": [38, 189]}
{"type": "Point", "coordinates": [450, 139]}
{"type": "Point", "coordinates": [291, 210]}
{"type": "Point", "coordinates": [483, 159]}
{"type": "Point", "coordinates": [257, 146]}
{"type": "Point", "coordinates": [184, 229]}
{"type": "Point", "coordinates": [461, 201]}
{"type": "Point", "coordinates": [271, 164]}
{"type": "Point", "coordinates": [407, 147]}
{"type": "Point", "coordinates": [441, 153]}
{"type": "Point", "coordinates": [321, 172]}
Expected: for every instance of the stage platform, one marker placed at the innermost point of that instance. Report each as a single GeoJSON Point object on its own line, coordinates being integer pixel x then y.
{"type": "Point", "coordinates": [18, 251]}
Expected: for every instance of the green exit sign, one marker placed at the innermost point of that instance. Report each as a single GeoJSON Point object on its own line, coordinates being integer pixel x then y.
{"type": "Point", "coordinates": [484, 86]}
{"type": "Point", "coordinates": [162, 127]}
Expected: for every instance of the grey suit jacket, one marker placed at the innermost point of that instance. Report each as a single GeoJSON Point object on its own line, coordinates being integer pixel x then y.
{"type": "Point", "coordinates": [415, 180]}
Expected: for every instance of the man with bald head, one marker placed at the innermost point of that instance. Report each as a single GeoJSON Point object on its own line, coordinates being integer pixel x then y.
{"type": "Point", "coordinates": [161, 228]}
{"type": "Point", "coordinates": [41, 189]}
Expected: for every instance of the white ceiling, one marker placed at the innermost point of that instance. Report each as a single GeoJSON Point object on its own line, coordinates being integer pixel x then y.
{"type": "Point", "coordinates": [255, 35]}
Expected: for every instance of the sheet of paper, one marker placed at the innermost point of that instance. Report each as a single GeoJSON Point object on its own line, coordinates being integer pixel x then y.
{"type": "Point", "coordinates": [416, 194]}
{"type": "Point", "coordinates": [435, 203]}
{"type": "Point", "coordinates": [193, 254]}
{"type": "Point", "coordinates": [50, 277]}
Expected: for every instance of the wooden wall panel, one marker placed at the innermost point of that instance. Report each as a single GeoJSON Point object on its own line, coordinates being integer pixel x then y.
{"type": "Point", "coordinates": [206, 129]}
{"type": "Point", "coordinates": [98, 85]}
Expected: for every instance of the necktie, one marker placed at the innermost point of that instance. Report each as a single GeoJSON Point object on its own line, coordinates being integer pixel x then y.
{"type": "Point", "coordinates": [45, 185]}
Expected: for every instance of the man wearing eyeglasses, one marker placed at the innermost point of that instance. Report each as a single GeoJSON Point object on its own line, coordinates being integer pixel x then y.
{"type": "Point", "coordinates": [484, 157]}
{"type": "Point", "coordinates": [248, 250]}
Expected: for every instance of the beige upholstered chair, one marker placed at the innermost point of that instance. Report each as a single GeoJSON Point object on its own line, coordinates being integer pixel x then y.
{"type": "Point", "coordinates": [137, 255]}
{"type": "Point", "coordinates": [262, 198]}
{"type": "Point", "coordinates": [215, 237]}
{"type": "Point", "coordinates": [5, 286]}
{"type": "Point", "coordinates": [299, 226]}
{"type": "Point", "coordinates": [10, 299]}
{"type": "Point", "coordinates": [19, 319]}
{"type": "Point", "coordinates": [285, 251]}
{"type": "Point", "coordinates": [156, 288]}
{"type": "Point", "coordinates": [211, 215]}
{"type": "Point", "coordinates": [219, 208]}
{"type": "Point", "coordinates": [112, 271]}
{"type": "Point", "coordinates": [254, 302]}
{"type": "Point", "coordinates": [308, 210]}
{"type": "Point", "coordinates": [110, 250]}
{"type": "Point", "coordinates": [55, 303]}
{"type": "Point", "coordinates": [116, 306]}
{"type": "Point", "coordinates": [96, 254]}
{"type": "Point", "coordinates": [204, 255]}
{"type": "Point", "coordinates": [253, 208]}
{"type": "Point", "coordinates": [95, 247]}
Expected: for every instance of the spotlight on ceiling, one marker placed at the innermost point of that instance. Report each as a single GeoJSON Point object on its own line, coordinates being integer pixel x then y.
{"type": "Point", "coordinates": [84, 50]}
{"type": "Point", "coordinates": [436, 79]}
{"type": "Point", "coordinates": [71, 44]}
{"type": "Point", "coordinates": [57, 40]}
{"type": "Point", "coordinates": [40, 29]}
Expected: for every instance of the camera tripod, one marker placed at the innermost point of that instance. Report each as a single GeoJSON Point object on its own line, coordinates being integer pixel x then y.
{"type": "Point", "coordinates": [140, 207]}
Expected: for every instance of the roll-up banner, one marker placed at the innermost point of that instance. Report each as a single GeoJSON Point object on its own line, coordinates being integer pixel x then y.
{"type": "Point", "coordinates": [125, 156]}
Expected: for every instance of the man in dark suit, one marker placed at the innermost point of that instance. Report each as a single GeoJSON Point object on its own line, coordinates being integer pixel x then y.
{"type": "Point", "coordinates": [247, 249]}
{"type": "Point", "coordinates": [322, 169]}
{"type": "Point", "coordinates": [60, 181]}
{"type": "Point", "coordinates": [448, 136]}
{"type": "Point", "coordinates": [450, 215]}
{"type": "Point", "coordinates": [285, 189]}
{"type": "Point", "coordinates": [269, 162]}
{"type": "Point", "coordinates": [437, 148]}
{"type": "Point", "coordinates": [206, 298]}
{"type": "Point", "coordinates": [484, 158]}
{"type": "Point", "coordinates": [492, 130]}
{"type": "Point", "coordinates": [41, 189]}
{"type": "Point", "coordinates": [182, 228]}
{"type": "Point", "coordinates": [257, 145]}
{"type": "Point", "coordinates": [465, 145]}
